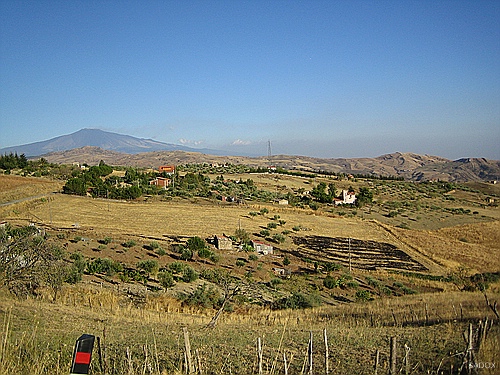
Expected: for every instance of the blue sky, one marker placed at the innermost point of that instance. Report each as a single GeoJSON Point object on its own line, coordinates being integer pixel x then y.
{"type": "Point", "coordinates": [318, 78]}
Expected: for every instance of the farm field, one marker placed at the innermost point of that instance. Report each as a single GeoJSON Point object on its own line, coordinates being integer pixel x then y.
{"type": "Point", "coordinates": [427, 314]}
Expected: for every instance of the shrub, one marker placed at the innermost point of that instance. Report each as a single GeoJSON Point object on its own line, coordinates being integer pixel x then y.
{"type": "Point", "coordinates": [329, 282]}
{"type": "Point", "coordinates": [242, 235]}
{"type": "Point", "coordinates": [203, 296]}
{"type": "Point", "coordinates": [286, 261]}
{"type": "Point", "coordinates": [189, 274]}
{"type": "Point", "coordinates": [363, 295]}
{"type": "Point", "coordinates": [160, 251]}
{"type": "Point", "coordinates": [107, 240]}
{"type": "Point", "coordinates": [204, 253]}
{"type": "Point", "coordinates": [149, 266]}
{"type": "Point", "coordinates": [253, 257]}
{"type": "Point", "coordinates": [185, 253]}
{"type": "Point", "coordinates": [195, 243]}
{"type": "Point", "coordinates": [273, 283]}
{"type": "Point", "coordinates": [298, 301]}
{"type": "Point", "coordinates": [176, 266]}
{"type": "Point", "coordinates": [129, 244]}
{"type": "Point", "coordinates": [166, 279]}
{"type": "Point", "coordinates": [104, 266]}
{"type": "Point", "coordinates": [265, 232]}
{"type": "Point", "coordinates": [353, 284]}
{"type": "Point", "coordinates": [279, 238]}
{"type": "Point", "coordinates": [272, 225]}
{"type": "Point", "coordinates": [240, 263]}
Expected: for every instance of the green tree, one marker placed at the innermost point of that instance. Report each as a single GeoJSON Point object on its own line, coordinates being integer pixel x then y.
{"type": "Point", "coordinates": [189, 274]}
{"type": "Point", "coordinates": [319, 192]}
{"type": "Point", "coordinates": [166, 279]}
{"type": "Point", "coordinates": [75, 186]}
{"type": "Point", "coordinates": [150, 266]}
{"type": "Point", "coordinates": [242, 235]}
{"type": "Point", "coordinates": [26, 259]}
{"type": "Point", "coordinates": [365, 196]}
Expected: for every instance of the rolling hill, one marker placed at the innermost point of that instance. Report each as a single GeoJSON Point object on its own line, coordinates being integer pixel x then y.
{"type": "Point", "coordinates": [92, 145]}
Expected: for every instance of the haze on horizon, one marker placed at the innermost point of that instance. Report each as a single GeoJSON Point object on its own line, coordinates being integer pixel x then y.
{"type": "Point", "coordinates": [318, 78]}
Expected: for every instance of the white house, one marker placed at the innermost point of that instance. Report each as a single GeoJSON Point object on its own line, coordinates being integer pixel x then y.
{"type": "Point", "coordinates": [347, 197]}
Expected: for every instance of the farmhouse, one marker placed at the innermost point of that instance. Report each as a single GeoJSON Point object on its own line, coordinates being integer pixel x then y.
{"type": "Point", "coordinates": [161, 182]}
{"type": "Point", "coordinates": [168, 169]}
{"type": "Point", "coordinates": [223, 243]}
{"type": "Point", "coordinates": [282, 272]}
{"type": "Point", "coordinates": [262, 248]}
{"type": "Point", "coordinates": [347, 197]}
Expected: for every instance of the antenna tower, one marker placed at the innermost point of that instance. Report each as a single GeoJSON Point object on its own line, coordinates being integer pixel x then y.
{"type": "Point", "coordinates": [269, 154]}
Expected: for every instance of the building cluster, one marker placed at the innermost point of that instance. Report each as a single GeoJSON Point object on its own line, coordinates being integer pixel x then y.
{"type": "Point", "coordinates": [164, 182]}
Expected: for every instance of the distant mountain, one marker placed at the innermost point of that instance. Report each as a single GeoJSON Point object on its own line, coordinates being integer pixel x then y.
{"type": "Point", "coordinates": [98, 138]}
{"type": "Point", "coordinates": [410, 166]}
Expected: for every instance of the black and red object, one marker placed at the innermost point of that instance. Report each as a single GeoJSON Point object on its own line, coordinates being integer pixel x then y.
{"type": "Point", "coordinates": [82, 355]}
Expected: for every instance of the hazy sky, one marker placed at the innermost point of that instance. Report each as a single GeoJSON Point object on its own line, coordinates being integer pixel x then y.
{"type": "Point", "coordinates": [319, 78]}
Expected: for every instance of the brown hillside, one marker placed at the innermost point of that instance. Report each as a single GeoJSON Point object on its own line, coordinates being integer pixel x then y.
{"type": "Point", "coordinates": [407, 165]}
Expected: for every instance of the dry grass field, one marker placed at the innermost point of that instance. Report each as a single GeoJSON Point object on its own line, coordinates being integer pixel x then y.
{"type": "Point", "coordinates": [16, 187]}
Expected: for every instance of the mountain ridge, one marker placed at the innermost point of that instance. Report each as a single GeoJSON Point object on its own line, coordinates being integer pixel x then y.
{"type": "Point", "coordinates": [98, 138]}
{"type": "Point", "coordinates": [92, 145]}
{"type": "Point", "coordinates": [409, 166]}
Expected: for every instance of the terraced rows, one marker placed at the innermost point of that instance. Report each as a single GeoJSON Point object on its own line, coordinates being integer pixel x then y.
{"type": "Point", "coordinates": [368, 255]}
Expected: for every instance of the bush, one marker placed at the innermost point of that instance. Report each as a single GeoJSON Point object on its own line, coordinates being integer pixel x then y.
{"type": "Point", "coordinates": [107, 240]}
{"type": "Point", "coordinates": [166, 279]}
{"type": "Point", "coordinates": [195, 243]}
{"type": "Point", "coordinates": [272, 225]}
{"type": "Point", "coordinates": [253, 257]}
{"type": "Point", "coordinates": [177, 267]}
{"type": "Point", "coordinates": [189, 274]}
{"type": "Point", "coordinates": [129, 244]}
{"type": "Point", "coordinates": [160, 251]}
{"type": "Point", "coordinates": [329, 282]}
{"type": "Point", "coordinates": [185, 253]}
{"type": "Point", "coordinates": [240, 263]}
{"type": "Point", "coordinates": [104, 266]}
{"type": "Point", "coordinates": [204, 253]}
{"type": "Point", "coordinates": [363, 295]}
{"type": "Point", "coordinates": [150, 266]}
{"type": "Point", "coordinates": [298, 301]}
{"type": "Point", "coordinates": [203, 296]}
{"type": "Point", "coordinates": [279, 238]}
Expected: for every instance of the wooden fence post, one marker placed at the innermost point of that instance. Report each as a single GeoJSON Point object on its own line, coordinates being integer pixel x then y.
{"type": "Point", "coordinates": [392, 365]}
{"type": "Point", "coordinates": [259, 355]}
{"type": "Point", "coordinates": [310, 353]}
{"type": "Point", "coordinates": [407, 360]}
{"type": "Point", "coordinates": [377, 361]}
{"type": "Point", "coordinates": [325, 337]}
{"type": "Point", "coordinates": [187, 346]}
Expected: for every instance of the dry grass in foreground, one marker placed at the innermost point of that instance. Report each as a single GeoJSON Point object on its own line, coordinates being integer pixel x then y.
{"type": "Point", "coordinates": [37, 337]}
